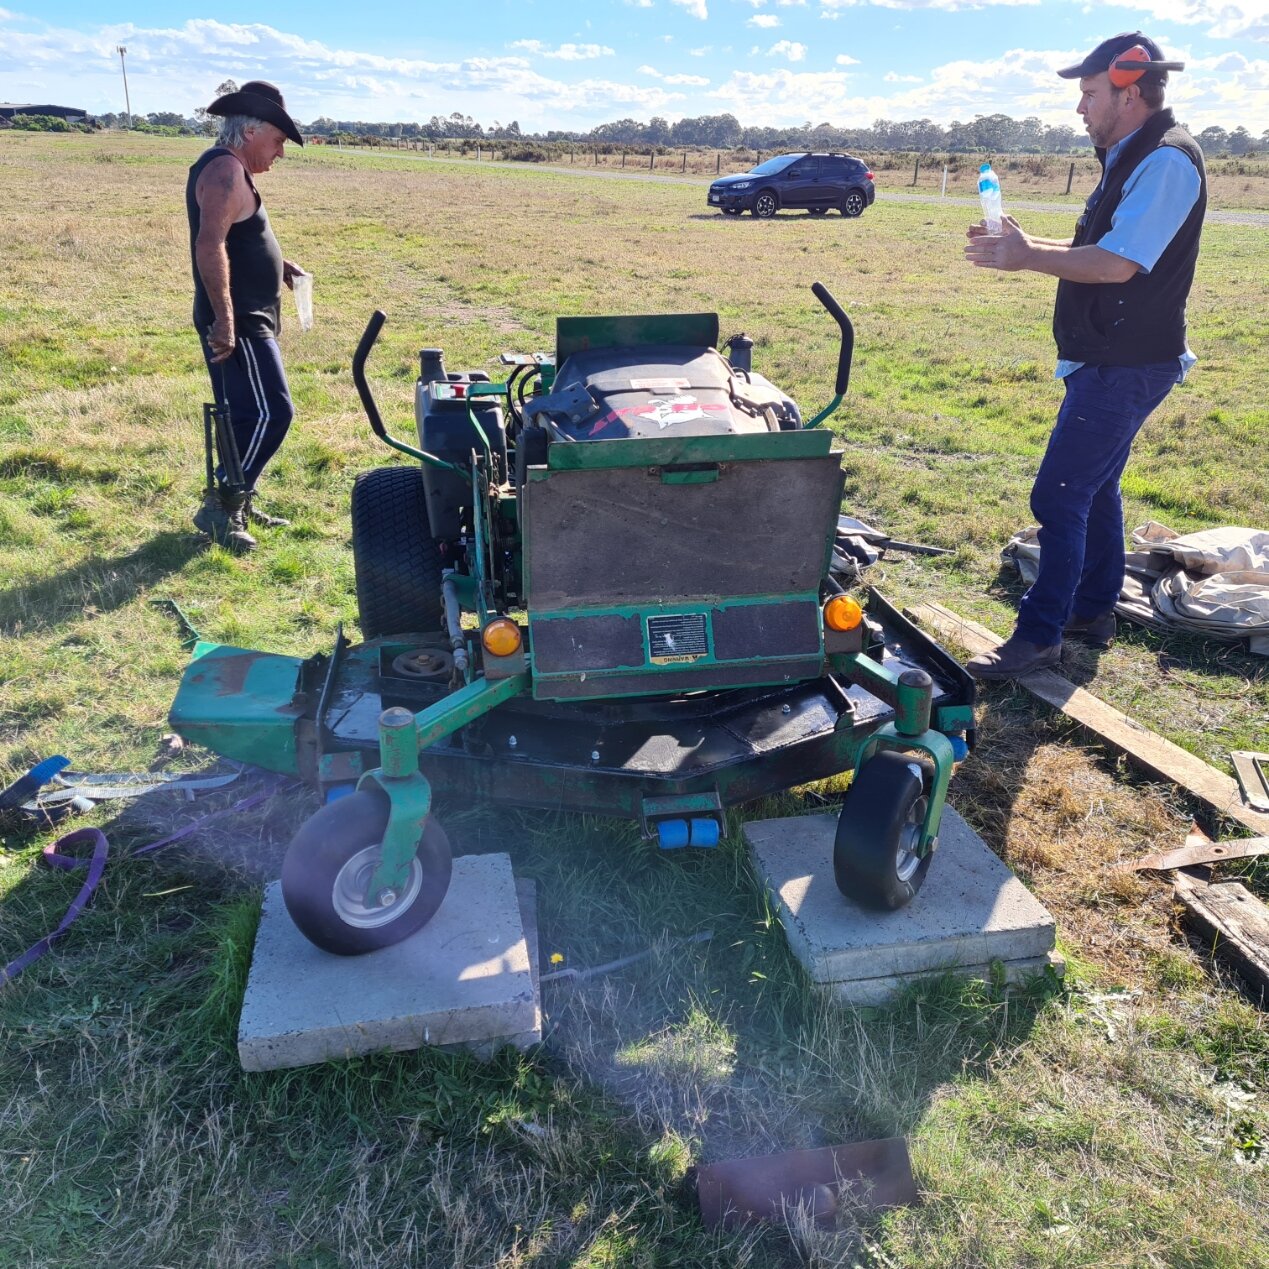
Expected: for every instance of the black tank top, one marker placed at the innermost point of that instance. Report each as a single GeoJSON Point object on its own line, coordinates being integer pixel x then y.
{"type": "Point", "coordinates": [255, 263]}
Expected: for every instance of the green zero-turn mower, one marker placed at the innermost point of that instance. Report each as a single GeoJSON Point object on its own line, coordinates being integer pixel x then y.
{"type": "Point", "coordinates": [602, 585]}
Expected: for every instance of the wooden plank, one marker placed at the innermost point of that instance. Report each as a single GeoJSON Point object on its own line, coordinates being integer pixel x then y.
{"type": "Point", "coordinates": [1235, 922]}
{"type": "Point", "coordinates": [1149, 751]}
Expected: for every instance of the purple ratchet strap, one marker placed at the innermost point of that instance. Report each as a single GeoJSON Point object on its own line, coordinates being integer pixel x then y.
{"type": "Point", "coordinates": [96, 866]}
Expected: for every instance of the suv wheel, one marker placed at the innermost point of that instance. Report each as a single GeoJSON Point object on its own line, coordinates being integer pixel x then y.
{"type": "Point", "coordinates": [765, 205]}
{"type": "Point", "coordinates": [854, 203]}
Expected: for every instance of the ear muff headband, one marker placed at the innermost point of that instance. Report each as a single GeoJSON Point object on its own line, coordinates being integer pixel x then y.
{"type": "Point", "coordinates": [1129, 66]}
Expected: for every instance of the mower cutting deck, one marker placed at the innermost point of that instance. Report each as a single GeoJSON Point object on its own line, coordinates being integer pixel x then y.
{"type": "Point", "coordinates": [640, 541]}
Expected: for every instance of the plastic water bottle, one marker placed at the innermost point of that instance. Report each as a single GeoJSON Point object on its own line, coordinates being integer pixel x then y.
{"type": "Point", "coordinates": [989, 196]}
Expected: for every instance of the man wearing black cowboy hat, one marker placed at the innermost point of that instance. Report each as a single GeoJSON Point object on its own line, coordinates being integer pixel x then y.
{"type": "Point", "coordinates": [1119, 323]}
{"type": "Point", "coordinates": [238, 277]}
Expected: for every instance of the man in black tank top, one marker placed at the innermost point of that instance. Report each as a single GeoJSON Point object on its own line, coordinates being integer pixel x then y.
{"type": "Point", "coordinates": [238, 276]}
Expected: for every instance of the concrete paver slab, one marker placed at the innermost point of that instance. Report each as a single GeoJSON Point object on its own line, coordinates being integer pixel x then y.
{"type": "Point", "coordinates": [464, 979]}
{"type": "Point", "coordinates": [970, 912]}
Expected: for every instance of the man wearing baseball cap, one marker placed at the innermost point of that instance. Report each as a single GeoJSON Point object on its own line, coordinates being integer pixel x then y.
{"type": "Point", "coordinates": [238, 277]}
{"type": "Point", "coordinates": [1119, 323]}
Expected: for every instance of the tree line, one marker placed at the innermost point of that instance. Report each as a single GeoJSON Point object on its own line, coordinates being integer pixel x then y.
{"type": "Point", "coordinates": [994, 134]}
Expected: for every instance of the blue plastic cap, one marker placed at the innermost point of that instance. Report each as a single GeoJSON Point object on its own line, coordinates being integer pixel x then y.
{"type": "Point", "coordinates": [337, 791]}
{"type": "Point", "coordinates": [671, 834]}
{"type": "Point", "coordinates": [960, 748]}
{"type": "Point", "coordinates": [705, 832]}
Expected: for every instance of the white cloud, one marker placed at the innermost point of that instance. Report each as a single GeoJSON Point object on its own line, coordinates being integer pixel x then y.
{"type": "Point", "coordinates": [830, 7]}
{"type": "Point", "coordinates": [764, 20]}
{"type": "Point", "coordinates": [891, 78]}
{"type": "Point", "coordinates": [845, 59]}
{"type": "Point", "coordinates": [565, 52]}
{"type": "Point", "coordinates": [694, 81]}
{"type": "Point", "coordinates": [788, 48]}
{"type": "Point", "coordinates": [639, 4]}
{"type": "Point", "coordinates": [703, 51]}
{"type": "Point", "coordinates": [178, 68]}
{"type": "Point", "coordinates": [1222, 19]}
{"type": "Point", "coordinates": [695, 7]}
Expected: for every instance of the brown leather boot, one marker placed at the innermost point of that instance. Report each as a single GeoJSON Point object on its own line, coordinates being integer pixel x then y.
{"type": "Point", "coordinates": [1014, 658]}
{"type": "Point", "coordinates": [1092, 632]}
{"type": "Point", "coordinates": [262, 518]}
{"type": "Point", "coordinates": [223, 519]}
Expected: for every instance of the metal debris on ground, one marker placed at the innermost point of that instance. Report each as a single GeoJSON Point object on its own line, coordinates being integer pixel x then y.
{"type": "Point", "coordinates": [596, 971]}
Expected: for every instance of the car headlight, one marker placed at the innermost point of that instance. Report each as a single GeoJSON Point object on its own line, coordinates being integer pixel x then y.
{"type": "Point", "coordinates": [742, 185]}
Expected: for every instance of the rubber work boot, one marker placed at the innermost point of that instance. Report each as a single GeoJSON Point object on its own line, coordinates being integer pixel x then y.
{"type": "Point", "coordinates": [1093, 632]}
{"type": "Point", "coordinates": [1014, 658]}
{"type": "Point", "coordinates": [262, 518]}
{"type": "Point", "coordinates": [223, 522]}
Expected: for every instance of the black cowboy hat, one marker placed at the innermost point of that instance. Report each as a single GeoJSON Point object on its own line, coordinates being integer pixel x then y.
{"type": "Point", "coordinates": [1129, 57]}
{"type": "Point", "coordinates": [258, 99]}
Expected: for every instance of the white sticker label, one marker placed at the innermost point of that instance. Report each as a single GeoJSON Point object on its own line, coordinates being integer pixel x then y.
{"type": "Point", "coordinates": [666, 410]}
{"type": "Point", "coordinates": [661, 385]}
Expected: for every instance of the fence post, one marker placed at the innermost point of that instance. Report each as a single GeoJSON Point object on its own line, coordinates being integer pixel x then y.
{"type": "Point", "coordinates": [652, 157]}
{"type": "Point", "coordinates": [718, 162]}
{"type": "Point", "coordinates": [916, 171]}
{"type": "Point", "coordinates": [623, 158]}
{"type": "Point", "coordinates": [1070, 176]}
{"type": "Point", "coordinates": [943, 192]}
{"type": "Point", "coordinates": [685, 160]}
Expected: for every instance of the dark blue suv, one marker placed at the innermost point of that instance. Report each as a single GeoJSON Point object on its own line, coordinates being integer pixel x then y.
{"type": "Point", "coordinates": [814, 182]}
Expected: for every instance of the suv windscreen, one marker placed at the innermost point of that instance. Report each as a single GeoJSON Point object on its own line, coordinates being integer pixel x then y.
{"type": "Point", "coordinates": [772, 166]}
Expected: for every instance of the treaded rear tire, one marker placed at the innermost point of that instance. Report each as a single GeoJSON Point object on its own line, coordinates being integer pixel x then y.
{"type": "Point", "coordinates": [396, 561]}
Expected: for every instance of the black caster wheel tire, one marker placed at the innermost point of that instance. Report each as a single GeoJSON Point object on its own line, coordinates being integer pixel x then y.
{"type": "Point", "coordinates": [329, 862]}
{"type": "Point", "coordinates": [874, 854]}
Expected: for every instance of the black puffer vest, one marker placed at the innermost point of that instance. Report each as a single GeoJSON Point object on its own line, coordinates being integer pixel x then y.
{"type": "Point", "coordinates": [1142, 320]}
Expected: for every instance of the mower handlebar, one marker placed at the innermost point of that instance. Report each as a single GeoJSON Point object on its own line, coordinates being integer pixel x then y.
{"type": "Point", "coordinates": [838, 314]}
{"type": "Point", "coordinates": [368, 337]}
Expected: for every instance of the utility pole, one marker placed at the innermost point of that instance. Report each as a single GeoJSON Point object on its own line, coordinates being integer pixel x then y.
{"type": "Point", "coordinates": [127, 100]}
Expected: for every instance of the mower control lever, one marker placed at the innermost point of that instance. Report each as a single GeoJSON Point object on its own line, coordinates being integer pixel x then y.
{"type": "Point", "coordinates": [368, 337]}
{"type": "Point", "coordinates": [838, 314]}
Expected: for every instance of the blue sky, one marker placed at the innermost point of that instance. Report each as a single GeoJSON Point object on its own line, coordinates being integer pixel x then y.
{"type": "Point", "coordinates": [548, 63]}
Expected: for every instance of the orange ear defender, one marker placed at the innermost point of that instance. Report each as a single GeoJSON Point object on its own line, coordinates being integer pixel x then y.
{"type": "Point", "coordinates": [1129, 66]}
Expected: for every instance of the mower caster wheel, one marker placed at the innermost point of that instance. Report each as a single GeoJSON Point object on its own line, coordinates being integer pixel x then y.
{"type": "Point", "coordinates": [330, 862]}
{"type": "Point", "coordinates": [874, 855]}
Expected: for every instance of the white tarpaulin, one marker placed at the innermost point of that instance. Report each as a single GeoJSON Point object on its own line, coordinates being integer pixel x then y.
{"type": "Point", "coordinates": [1214, 583]}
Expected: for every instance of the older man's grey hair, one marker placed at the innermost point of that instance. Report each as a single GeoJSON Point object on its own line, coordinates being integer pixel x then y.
{"type": "Point", "coordinates": [233, 130]}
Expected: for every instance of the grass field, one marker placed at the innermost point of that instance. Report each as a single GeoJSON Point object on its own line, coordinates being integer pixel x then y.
{"type": "Point", "coordinates": [1117, 1120]}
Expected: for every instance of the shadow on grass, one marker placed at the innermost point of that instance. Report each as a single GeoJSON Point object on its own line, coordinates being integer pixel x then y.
{"type": "Point", "coordinates": [97, 584]}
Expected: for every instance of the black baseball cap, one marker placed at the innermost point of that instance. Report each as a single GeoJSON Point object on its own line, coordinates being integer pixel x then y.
{"type": "Point", "coordinates": [1147, 61]}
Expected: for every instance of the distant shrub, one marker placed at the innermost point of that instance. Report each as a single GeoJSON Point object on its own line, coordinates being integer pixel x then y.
{"type": "Point", "coordinates": [526, 154]}
{"type": "Point", "coordinates": [41, 123]}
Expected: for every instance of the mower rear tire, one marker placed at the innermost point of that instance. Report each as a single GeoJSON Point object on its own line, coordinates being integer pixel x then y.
{"type": "Point", "coordinates": [875, 860]}
{"type": "Point", "coordinates": [395, 559]}
{"type": "Point", "coordinates": [765, 205]}
{"type": "Point", "coordinates": [330, 862]}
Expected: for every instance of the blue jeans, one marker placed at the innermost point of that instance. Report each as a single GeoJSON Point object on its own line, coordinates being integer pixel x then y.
{"type": "Point", "coordinates": [252, 385]}
{"type": "Point", "coordinates": [1076, 498]}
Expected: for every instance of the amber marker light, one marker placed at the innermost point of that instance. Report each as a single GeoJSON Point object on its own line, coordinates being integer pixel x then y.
{"type": "Point", "coordinates": [501, 637]}
{"type": "Point", "coordinates": [842, 613]}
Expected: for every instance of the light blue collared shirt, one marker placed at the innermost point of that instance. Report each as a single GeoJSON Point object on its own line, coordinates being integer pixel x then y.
{"type": "Point", "coordinates": [1156, 200]}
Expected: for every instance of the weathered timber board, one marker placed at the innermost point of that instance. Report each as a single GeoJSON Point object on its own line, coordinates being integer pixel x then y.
{"type": "Point", "coordinates": [1149, 751]}
{"type": "Point", "coordinates": [1236, 923]}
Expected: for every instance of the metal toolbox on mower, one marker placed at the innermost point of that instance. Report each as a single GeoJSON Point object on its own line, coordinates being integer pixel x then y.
{"type": "Point", "coordinates": [602, 585]}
